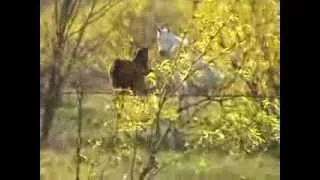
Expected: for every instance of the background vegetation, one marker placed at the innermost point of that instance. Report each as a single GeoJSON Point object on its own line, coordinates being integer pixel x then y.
{"type": "Point", "coordinates": [233, 134]}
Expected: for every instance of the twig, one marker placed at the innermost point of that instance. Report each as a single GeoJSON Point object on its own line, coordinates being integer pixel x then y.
{"type": "Point", "coordinates": [103, 170]}
{"type": "Point", "coordinates": [94, 16]}
{"type": "Point", "coordinates": [80, 95]}
{"type": "Point", "coordinates": [134, 156]}
{"type": "Point", "coordinates": [163, 137]}
{"type": "Point", "coordinates": [81, 32]}
{"type": "Point", "coordinates": [156, 144]}
{"type": "Point", "coordinates": [201, 107]}
{"type": "Point", "coordinates": [75, 15]}
{"type": "Point", "coordinates": [186, 154]}
{"type": "Point", "coordinates": [191, 71]}
{"type": "Point", "coordinates": [78, 41]}
{"type": "Point", "coordinates": [224, 97]}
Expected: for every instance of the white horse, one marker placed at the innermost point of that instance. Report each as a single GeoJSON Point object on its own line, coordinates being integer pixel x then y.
{"type": "Point", "coordinates": [203, 81]}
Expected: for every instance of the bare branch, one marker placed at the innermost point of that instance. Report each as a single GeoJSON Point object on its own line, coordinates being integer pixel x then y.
{"type": "Point", "coordinates": [155, 145]}
{"type": "Point", "coordinates": [95, 16]}
{"type": "Point", "coordinates": [134, 156]}
{"type": "Point", "coordinates": [201, 107]}
{"type": "Point", "coordinates": [73, 18]}
{"type": "Point", "coordinates": [81, 32]}
{"type": "Point", "coordinates": [163, 137]}
{"type": "Point", "coordinates": [78, 41]}
{"type": "Point", "coordinates": [192, 71]}
{"type": "Point", "coordinates": [224, 98]}
{"type": "Point", "coordinates": [80, 96]}
{"type": "Point", "coordinates": [103, 170]}
{"type": "Point", "coordinates": [56, 12]}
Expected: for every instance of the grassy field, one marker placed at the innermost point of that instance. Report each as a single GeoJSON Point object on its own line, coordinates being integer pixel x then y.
{"type": "Point", "coordinates": [58, 160]}
{"type": "Point", "coordinates": [61, 166]}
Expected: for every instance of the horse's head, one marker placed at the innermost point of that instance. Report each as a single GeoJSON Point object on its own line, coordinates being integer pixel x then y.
{"type": "Point", "coordinates": [142, 54]}
{"type": "Point", "coordinates": [167, 42]}
{"type": "Point", "coordinates": [162, 29]}
{"type": "Point", "coordinates": [141, 60]}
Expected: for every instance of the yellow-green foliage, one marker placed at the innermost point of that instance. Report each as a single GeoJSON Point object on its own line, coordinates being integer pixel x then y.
{"type": "Point", "coordinates": [250, 30]}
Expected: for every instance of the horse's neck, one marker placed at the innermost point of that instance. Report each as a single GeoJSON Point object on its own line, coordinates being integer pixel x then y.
{"type": "Point", "coordinates": [169, 39]}
{"type": "Point", "coordinates": [141, 62]}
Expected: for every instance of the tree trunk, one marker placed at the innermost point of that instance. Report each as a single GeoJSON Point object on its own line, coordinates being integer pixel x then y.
{"type": "Point", "coordinates": [50, 107]}
{"type": "Point", "coordinates": [51, 100]}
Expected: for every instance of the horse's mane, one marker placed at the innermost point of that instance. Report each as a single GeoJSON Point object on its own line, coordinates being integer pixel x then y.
{"type": "Point", "coordinates": [142, 57]}
{"type": "Point", "coordinates": [142, 53]}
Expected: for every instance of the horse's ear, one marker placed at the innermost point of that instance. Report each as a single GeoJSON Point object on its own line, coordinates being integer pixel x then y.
{"type": "Point", "coordinates": [158, 33]}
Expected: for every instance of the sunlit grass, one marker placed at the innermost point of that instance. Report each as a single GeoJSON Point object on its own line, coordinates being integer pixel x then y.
{"type": "Point", "coordinates": [56, 166]}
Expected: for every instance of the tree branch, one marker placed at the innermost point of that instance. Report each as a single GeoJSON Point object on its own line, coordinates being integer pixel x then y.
{"type": "Point", "coordinates": [224, 98]}
{"type": "Point", "coordinates": [134, 156]}
{"type": "Point", "coordinates": [95, 16]}
{"type": "Point", "coordinates": [80, 96]}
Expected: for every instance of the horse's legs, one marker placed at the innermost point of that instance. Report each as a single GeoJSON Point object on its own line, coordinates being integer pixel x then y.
{"type": "Point", "coordinates": [139, 86]}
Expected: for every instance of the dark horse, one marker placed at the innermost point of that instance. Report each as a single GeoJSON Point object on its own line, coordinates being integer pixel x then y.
{"type": "Point", "coordinates": [130, 74]}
